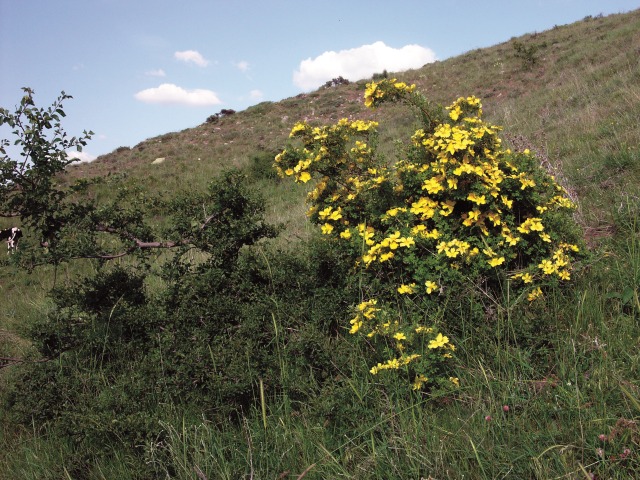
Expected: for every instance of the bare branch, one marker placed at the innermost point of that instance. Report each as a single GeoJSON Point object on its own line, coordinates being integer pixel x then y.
{"type": "Point", "coordinates": [10, 361]}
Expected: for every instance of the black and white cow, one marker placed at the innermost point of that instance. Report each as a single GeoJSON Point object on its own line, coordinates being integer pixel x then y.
{"type": "Point", "coordinates": [11, 235]}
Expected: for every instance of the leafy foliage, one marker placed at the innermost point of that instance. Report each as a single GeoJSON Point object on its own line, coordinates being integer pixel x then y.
{"type": "Point", "coordinates": [28, 186]}
{"type": "Point", "coordinates": [526, 53]}
{"type": "Point", "coordinates": [458, 209]}
{"type": "Point", "coordinates": [68, 221]}
{"type": "Point", "coordinates": [225, 314]}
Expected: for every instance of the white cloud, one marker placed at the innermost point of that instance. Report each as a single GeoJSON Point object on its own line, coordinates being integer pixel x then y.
{"type": "Point", "coordinates": [256, 94]}
{"type": "Point", "coordinates": [80, 156]}
{"type": "Point", "coordinates": [243, 66]}
{"type": "Point", "coordinates": [358, 63]}
{"type": "Point", "coordinates": [156, 73]}
{"type": "Point", "coordinates": [168, 93]}
{"type": "Point", "coordinates": [191, 56]}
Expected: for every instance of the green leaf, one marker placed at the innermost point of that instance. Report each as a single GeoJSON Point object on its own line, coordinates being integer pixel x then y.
{"type": "Point", "coordinates": [627, 295]}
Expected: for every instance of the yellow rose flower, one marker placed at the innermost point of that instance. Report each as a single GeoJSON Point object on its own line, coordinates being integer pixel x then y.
{"type": "Point", "coordinates": [430, 286]}
{"type": "Point", "coordinates": [439, 341]}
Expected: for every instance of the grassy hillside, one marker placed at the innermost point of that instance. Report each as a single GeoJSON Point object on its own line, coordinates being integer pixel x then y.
{"type": "Point", "coordinates": [573, 97]}
{"type": "Point", "coordinates": [568, 408]}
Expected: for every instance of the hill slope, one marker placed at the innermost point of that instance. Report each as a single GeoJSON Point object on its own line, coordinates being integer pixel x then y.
{"type": "Point", "coordinates": [571, 94]}
{"type": "Point", "coordinates": [546, 392]}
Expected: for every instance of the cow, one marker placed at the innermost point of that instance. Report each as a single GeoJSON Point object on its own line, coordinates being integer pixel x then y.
{"type": "Point", "coordinates": [11, 235]}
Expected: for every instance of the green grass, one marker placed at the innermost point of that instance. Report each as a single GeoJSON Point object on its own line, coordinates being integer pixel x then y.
{"type": "Point", "coordinates": [561, 399]}
{"type": "Point", "coordinates": [576, 106]}
{"type": "Point", "coordinates": [585, 386]}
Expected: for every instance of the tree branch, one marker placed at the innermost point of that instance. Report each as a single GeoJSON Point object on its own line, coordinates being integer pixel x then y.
{"type": "Point", "coordinates": [10, 361]}
{"type": "Point", "coordinates": [138, 244]}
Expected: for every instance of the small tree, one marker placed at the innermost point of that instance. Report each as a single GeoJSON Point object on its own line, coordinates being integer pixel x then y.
{"type": "Point", "coordinates": [63, 221]}
{"type": "Point", "coordinates": [28, 188]}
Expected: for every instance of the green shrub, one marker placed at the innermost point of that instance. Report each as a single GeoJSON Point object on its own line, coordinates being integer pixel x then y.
{"type": "Point", "coordinates": [526, 53]}
{"type": "Point", "coordinates": [260, 166]}
{"type": "Point", "coordinates": [226, 317]}
{"type": "Point", "coordinates": [457, 210]}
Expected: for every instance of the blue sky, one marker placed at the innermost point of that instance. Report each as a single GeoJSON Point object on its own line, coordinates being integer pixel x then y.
{"type": "Point", "coordinates": [141, 68]}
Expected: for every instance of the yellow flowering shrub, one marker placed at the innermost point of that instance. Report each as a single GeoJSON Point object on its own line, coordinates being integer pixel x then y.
{"type": "Point", "coordinates": [456, 208]}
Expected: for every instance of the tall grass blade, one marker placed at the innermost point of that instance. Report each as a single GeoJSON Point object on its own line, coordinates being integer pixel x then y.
{"type": "Point", "coordinates": [263, 404]}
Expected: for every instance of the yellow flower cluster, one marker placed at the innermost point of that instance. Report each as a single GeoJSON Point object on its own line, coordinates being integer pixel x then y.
{"type": "Point", "coordinates": [407, 289]}
{"type": "Point", "coordinates": [535, 293]}
{"type": "Point", "coordinates": [440, 342]}
{"type": "Point", "coordinates": [320, 137]}
{"type": "Point", "coordinates": [388, 90]}
{"type": "Point", "coordinates": [532, 224]}
{"type": "Point", "coordinates": [424, 207]}
{"type": "Point", "coordinates": [385, 250]}
{"type": "Point", "coordinates": [419, 381]}
{"type": "Point", "coordinates": [459, 199]}
{"type": "Point", "coordinates": [559, 264]}
{"type": "Point", "coordinates": [454, 248]}
{"type": "Point", "coordinates": [329, 214]}
{"type": "Point", "coordinates": [394, 363]}
{"type": "Point", "coordinates": [365, 311]}
{"type": "Point", "coordinates": [561, 201]}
